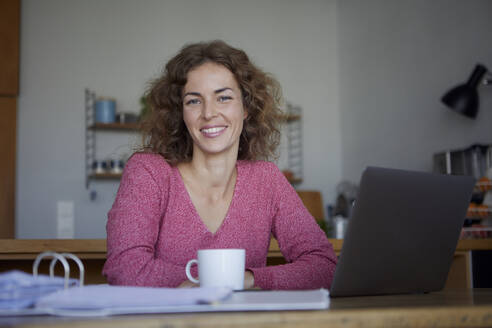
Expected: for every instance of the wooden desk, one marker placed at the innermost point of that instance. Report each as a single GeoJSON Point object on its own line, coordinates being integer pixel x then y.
{"type": "Point", "coordinates": [452, 308]}
{"type": "Point", "coordinates": [20, 253]}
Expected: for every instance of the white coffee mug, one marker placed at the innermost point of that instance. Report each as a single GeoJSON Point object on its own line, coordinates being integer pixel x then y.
{"type": "Point", "coordinates": [219, 268]}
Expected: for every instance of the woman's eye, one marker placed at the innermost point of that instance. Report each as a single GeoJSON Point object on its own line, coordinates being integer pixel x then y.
{"type": "Point", "coordinates": [224, 98]}
{"type": "Point", "coordinates": [193, 101]}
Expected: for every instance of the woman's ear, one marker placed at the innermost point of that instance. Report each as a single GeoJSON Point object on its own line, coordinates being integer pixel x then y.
{"type": "Point", "coordinates": [245, 114]}
{"type": "Point", "coordinates": [244, 103]}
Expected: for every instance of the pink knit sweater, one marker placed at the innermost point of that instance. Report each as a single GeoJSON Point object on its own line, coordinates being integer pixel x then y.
{"type": "Point", "coordinates": [154, 229]}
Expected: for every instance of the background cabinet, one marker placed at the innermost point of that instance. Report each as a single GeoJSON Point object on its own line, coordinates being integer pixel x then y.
{"type": "Point", "coordinates": [8, 111]}
{"type": "Point", "coordinates": [9, 89]}
{"type": "Point", "coordinates": [9, 47]}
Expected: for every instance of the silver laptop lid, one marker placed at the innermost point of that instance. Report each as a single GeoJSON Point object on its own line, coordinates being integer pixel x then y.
{"type": "Point", "coordinates": [402, 234]}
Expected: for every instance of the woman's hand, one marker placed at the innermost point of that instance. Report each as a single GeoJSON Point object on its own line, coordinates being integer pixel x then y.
{"type": "Point", "coordinates": [187, 284]}
{"type": "Point", "coordinates": [249, 280]}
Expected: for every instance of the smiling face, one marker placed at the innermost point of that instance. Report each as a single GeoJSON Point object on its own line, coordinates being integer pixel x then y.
{"type": "Point", "coordinates": [213, 110]}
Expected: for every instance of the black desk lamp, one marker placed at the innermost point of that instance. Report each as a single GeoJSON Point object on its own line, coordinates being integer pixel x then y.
{"type": "Point", "coordinates": [464, 97]}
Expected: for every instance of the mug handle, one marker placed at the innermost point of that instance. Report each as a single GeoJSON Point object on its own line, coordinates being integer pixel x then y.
{"type": "Point", "coordinates": [188, 272]}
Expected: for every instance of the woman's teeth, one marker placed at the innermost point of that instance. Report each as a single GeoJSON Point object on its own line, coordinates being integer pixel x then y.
{"type": "Point", "coordinates": [213, 130]}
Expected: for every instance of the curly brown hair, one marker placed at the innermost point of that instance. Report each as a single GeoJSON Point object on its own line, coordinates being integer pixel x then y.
{"type": "Point", "coordinates": [163, 128]}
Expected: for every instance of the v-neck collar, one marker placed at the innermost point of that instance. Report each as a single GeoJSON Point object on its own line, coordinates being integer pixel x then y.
{"type": "Point", "coordinates": [196, 215]}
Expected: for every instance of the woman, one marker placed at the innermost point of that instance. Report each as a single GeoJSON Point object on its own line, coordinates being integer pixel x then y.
{"type": "Point", "coordinates": [200, 182]}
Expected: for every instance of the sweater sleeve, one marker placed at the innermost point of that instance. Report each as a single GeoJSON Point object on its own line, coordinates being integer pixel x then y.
{"type": "Point", "coordinates": [133, 226]}
{"type": "Point", "coordinates": [310, 257]}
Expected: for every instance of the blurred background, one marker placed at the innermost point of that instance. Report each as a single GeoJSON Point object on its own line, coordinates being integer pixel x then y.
{"type": "Point", "coordinates": [366, 79]}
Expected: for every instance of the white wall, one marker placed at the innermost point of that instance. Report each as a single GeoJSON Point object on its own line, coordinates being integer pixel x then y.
{"type": "Point", "coordinates": [114, 47]}
{"type": "Point", "coordinates": [397, 58]}
{"type": "Point", "coordinates": [369, 75]}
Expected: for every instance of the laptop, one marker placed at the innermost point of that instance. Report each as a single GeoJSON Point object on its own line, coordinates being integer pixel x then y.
{"type": "Point", "coordinates": [403, 233]}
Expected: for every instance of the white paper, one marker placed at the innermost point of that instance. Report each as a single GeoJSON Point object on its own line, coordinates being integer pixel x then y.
{"type": "Point", "coordinates": [94, 297]}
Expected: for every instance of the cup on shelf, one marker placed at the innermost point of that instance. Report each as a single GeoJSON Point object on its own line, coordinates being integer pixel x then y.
{"type": "Point", "coordinates": [105, 110]}
{"type": "Point", "coordinates": [114, 166]}
{"type": "Point", "coordinates": [99, 167]}
{"type": "Point", "coordinates": [117, 166]}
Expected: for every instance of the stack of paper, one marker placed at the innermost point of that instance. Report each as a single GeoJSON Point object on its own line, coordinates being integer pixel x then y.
{"type": "Point", "coordinates": [19, 290]}
{"type": "Point", "coordinates": [111, 300]}
{"type": "Point", "coordinates": [106, 299]}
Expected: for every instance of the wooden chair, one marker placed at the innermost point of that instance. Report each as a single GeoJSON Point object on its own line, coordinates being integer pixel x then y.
{"type": "Point", "coordinates": [313, 201]}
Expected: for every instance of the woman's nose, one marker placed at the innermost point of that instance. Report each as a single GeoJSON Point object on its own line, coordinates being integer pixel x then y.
{"type": "Point", "coordinates": [209, 110]}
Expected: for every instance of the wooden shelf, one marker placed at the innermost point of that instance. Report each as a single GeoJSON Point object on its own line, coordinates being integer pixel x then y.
{"type": "Point", "coordinates": [105, 176]}
{"type": "Point", "coordinates": [285, 117]}
{"type": "Point", "coordinates": [294, 180]}
{"type": "Point", "coordinates": [115, 126]}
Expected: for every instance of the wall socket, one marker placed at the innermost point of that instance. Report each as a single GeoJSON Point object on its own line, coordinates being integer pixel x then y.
{"type": "Point", "coordinates": [65, 220]}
